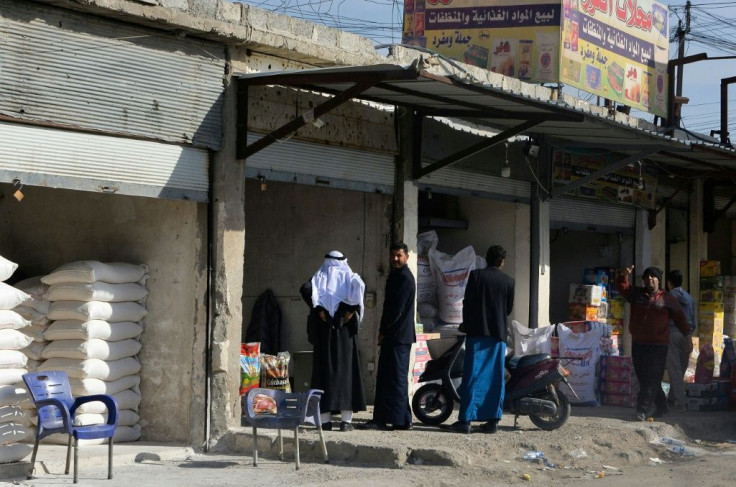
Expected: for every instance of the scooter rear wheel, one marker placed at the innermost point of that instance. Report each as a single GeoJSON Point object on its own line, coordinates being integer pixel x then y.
{"type": "Point", "coordinates": [549, 423]}
{"type": "Point", "coordinates": [432, 405]}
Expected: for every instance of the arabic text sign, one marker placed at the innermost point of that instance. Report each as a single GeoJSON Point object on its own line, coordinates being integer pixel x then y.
{"type": "Point", "coordinates": [617, 49]}
{"type": "Point", "coordinates": [519, 39]}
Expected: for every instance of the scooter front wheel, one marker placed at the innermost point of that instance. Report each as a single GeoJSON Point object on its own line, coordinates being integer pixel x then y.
{"type": "Point", "coordinates": [432, 405]}
{"type": "Point", "coordinates": [549, 423]}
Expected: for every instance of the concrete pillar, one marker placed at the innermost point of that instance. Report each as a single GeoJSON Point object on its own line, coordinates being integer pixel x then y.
{"type": "Point", "coordinates": [540, 220]}
{"type": "Point", "coordinates": [698, 238]}
{"type": "Point", "coordinates": [227, 240]}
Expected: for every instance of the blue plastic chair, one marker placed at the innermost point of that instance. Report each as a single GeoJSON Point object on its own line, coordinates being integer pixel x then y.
{"type": "Point", "coordinates": [52, 396]}
{"type": "Point", "coordinates": [292, 410]}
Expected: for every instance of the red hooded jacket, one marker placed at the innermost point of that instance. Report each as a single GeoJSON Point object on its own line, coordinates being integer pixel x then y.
{"type": "Point", "coordinates": [649, 320]}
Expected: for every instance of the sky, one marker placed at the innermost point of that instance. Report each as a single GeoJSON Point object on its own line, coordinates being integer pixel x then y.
{"type": "Point", "coordinates": [713, 31]}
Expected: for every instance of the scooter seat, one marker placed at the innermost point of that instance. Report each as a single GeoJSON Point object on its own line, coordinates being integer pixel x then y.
{"type": "Point", "coordinates": [520, 361]}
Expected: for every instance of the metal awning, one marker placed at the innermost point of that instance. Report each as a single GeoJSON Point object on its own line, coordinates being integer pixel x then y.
{"type": "Point", "coordinates": [429, 91]}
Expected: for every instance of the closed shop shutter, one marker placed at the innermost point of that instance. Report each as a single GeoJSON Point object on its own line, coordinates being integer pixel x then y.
{"type": "Point", "coordinates": [591, 215]}
{"type": "Point", "coordinates": [41, 156]}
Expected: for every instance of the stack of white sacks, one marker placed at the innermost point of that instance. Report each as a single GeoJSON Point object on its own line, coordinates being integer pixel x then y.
{"type": "Point", "coordinates": [14, 422]}
{"type": "Point", "coordinates": [96, 311]}
{"type": "Point", "coordinates": [35, 309]}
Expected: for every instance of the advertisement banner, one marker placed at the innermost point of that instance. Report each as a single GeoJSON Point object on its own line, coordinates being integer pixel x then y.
{"type": "Point", "coordinates": [617, 49]}
{"type": "Point", "coordinates": [635, 184]}
{"type": "Point", "coordinates": [510, 37]}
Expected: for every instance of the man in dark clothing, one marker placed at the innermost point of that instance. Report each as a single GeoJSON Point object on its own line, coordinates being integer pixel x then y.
{"type": "Point", "coordinates": [489, 299]}
{"type": "Point", "coordinates": [652, 308]}
{"type": "Point", "coordinates": [678, 354]}
{"type": "Point", "coordinates": [397, 333]}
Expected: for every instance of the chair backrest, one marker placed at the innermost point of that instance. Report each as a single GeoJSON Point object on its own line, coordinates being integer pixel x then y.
{"type": "Point", "coordinates": [287, 404]}
{"type": "Point", "coordinates": [52, 384]}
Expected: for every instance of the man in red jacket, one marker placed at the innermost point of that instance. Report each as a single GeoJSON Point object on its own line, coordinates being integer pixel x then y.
{"type": "Point", "coordinates": [649, 323]}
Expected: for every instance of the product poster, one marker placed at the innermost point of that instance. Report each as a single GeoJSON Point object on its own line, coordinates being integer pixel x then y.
{"type": "Point", "coordinates": [635, 184]}
{"type": "Point", "coordinates": [514, 38]}
{"type": "Point", "coordinates": [617, 49]}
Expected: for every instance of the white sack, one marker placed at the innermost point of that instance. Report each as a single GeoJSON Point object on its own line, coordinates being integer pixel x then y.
{"type": "Point", "coordinates": [12, 414]}
{"type": "Point", "coordinates": [126, 417]}
{"type": "Point", "coordinates": [451, 275]}
{"type": "Point", "coordinates": [87, 330]}
{"type": "Point", "coordinates": [11, 297]}
{"type": "Point", "coordinates": [10, 319]}
{"type": "Point", "coordinates": [96, 310]}
{"type": "Point", "coordinates": [34, 351]}
{"type": "Point", "coordinates": [11, 376]}
{"type": "Point", "coordinates": [96, 291]}
{"type": "Point", "coordinates": [15, 394]}
{"type": "Point", "coordinates": [14, 452]}
{"type": "Point", "coordinates": [426, 287]}
{"type": "Point", "coordinates": [35, 332]}
{"type": "Point", "coordinates": [127, 399]}
{"type": "Point", "coordinates": [94, 368]}
{"type": "Point", "coordinates": [91, 271]}
{"type": "Point", "coordinates": [94, 348]}
{"type": "Point", "coordinates": [587, 347]}
{"type": "Point", "coordinates": [30, 314]}
{"type": "Point", "coordinates": [123, 434]}
{"type": "Point", "coordinates": [12, 359]}
{"type": "Point", "coordinates": [6, 268]}
{"type": "Point", "coordinates": [13, 433]}
{"type": "Point", "coordinates": [88, 387]}
{"type": "Point", "coordinates": [14, 340]}
{"type": "Point", "coordinates": [528, 341]}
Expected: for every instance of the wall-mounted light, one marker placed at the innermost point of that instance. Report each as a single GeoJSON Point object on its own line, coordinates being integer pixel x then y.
{"type": "Point", "coordinates": [318, 123]}
{"type": "Point", "coordinates": [18, 195]}
{"type": "Point", "coordinates": [530, 149]}
{"type": "Point", "coordinates": [506, 169]}
{"type": "Point", "coordinates": [262, 180]}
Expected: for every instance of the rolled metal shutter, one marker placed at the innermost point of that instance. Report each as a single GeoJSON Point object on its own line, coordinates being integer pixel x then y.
{"type": "Point", "coordinates": [591, 215]}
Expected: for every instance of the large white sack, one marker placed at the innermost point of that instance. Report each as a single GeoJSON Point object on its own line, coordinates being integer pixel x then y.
{"type": "Point", "coordinates": [94, 368]}
{"type": "Point", "coordinates": [123, 434]}
{"type": "Point", "coordinates": [14, 394]}
{"type": "Point", "coordinates": [96, 310]}
{"type": "Point", "coordinates": [10, 319]}
{"type": "Point", "coordinates": [126, 417]}
{"type": "Point", "coordinates": [12, 359]}
{"type": "Point", "coordinates": [34, 350]}
{"type": "Point", "coordinates": [32, 315]}
{"type": "Point", "coordinates": [587, 348]}
{"type": "Point", "coordinates": [12, 414]}
{"type": "Point", "coordinates": [11, 297]}
{"type": "Point", "coordinates": [11, 376]}
{"type": "Point", "coordinates": [14, 452]}
{"type": "Point", "coordinates": [87, 330]}
{"type": "Point", "coordinates": [88, 387]}
{"type": "Point", "coordinates": [6, 268]}
{"type": "Point", "coordinates": [13, 433]}
{"type": "Point", "coordinates": [96, 291]}
{"type": "Point", "coordinates": [451, 275]}
{"type": "Point", "coordinates": [35, 332]}
{"type": "Point", "coordinates": [36, 290]}
{"type": "Point", "coordinates": [426, 286]}
{"type": "Point", "coordinates": [14, 340]}
{"type": "Point", "coordinates": [127, 399]}
{"type": "Point", "coordinates": [91, 271]}
{"type": "Point", "coordinates": [528, 341]}
{"type": "Point", "coordinates": [94, 348]}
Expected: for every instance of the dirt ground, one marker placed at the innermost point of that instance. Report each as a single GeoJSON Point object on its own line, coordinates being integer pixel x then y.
{"type": "Point", "coordinates": [598, 446]}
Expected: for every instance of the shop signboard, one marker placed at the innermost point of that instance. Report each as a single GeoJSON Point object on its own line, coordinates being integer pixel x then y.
{"type": "Point", "coordinates": [511, 37]}
{"type": "Point", "coordinates": [617, 49]}
{"type": "Point", "coordinates": [635, 184]}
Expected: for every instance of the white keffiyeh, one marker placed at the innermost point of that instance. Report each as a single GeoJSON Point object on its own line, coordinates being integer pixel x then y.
{"type": "Point", "coordinates": [334, 283]}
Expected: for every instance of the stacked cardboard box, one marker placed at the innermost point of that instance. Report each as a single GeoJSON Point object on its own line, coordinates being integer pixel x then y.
{"type": "Point", "coordinates": [729, 306]}
{"type": "Point", "coordinates": [617, 382]}
{"type": "Point", "coordinates": [421, 355]}
{"type": "Point", "coordinates": [711, 309]}
{"type": "Point", "coordinates": [701, 397]}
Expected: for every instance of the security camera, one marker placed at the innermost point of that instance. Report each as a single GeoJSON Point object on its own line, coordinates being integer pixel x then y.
{"type": "Point", "coordinates": [531, 149]}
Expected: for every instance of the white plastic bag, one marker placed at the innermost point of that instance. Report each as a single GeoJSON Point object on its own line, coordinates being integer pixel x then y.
{"type": "Point", "coordinates": [529, 341]}
{"type": "Point", "coordinates": [586, 348]}
{"type": "Point", "coordinates": [426, 287]}
{"type": "Point", "coordinates": [6, 268]}
{"type": "Point", "coordinates": [451, 275]}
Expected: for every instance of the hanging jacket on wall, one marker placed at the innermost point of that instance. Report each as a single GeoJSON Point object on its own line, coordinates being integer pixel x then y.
{"type": "Point", "coordinates": [265, 324]}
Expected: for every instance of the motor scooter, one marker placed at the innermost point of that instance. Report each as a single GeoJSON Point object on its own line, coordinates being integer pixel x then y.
{"type": "Point", "coordinates": [531, 389]}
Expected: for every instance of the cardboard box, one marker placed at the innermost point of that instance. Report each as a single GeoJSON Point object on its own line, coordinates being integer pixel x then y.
{"type": "Point", "coordinates": [715, 282]}
{"type": "Point", "coordinates": [711, 296]}
{"type": "Point", "coordinates": [585, 294]}
{"type": "Point", "coordinates": [616, 387]}
{"type": "Point", "coordinates": [700, 403]}
{"type": "Point", "coordinates": [616, 307]}
{"type": "Point", "coordinates": [617, 327]}
{"type": "Point", "coordinates": [583, 312]}
{"type": "Point", "coordinates": [710, 268]}
{"type": "Point", "coordinates": [427, 336]}
{"type": "Point", "coordinates": [701, 390]}
{"type": "Point", "coordinates": [622, 400]}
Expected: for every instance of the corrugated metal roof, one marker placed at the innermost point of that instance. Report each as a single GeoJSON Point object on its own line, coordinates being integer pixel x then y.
{"type": "Point", "coordinates": [433, 92]}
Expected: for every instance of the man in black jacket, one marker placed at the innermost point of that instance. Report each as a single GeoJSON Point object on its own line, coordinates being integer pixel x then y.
{"type": "Point", "coordinates": [489, 298]}
{"type": "Point", "coordinates": [396, 335]}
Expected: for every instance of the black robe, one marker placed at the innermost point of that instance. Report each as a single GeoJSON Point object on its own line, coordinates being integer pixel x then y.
{"type": "Point", "coordinates": [335, 363]}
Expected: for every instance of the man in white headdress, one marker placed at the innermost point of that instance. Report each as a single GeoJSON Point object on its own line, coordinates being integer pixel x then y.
{"type": "Point", "coordinates": [335, 299]}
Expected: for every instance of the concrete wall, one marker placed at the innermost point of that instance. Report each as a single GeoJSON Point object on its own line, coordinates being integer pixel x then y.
{"type": "Point", "coordinates": [290, 228]}
{"type": "Point", "coordinates": [51, 227]}
{"type": "Point", "coordinates": [492, 222]}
